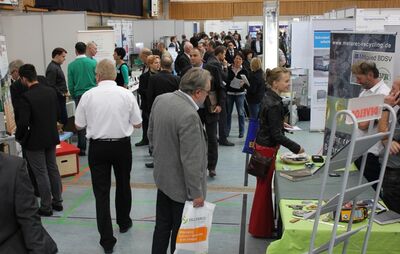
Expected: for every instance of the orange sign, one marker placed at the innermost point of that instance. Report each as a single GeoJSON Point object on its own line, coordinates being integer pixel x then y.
{"type": "Point", "coordinates": [192, 235]}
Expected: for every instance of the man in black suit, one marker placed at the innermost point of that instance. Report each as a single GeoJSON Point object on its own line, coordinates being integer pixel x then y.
{"type": "Point", "coordinates": [183, 59]}
{"type": "Point", "coordinates": [38, 134]}
{"type": "Point", "coordinates": [257, 45]}
{"type": "Point", "coordinates": [209, 111]}
{"type": "Point", "coordinates": [21, 229]}
{"type": "Point", "coordinates": [230, 52]}
{"type": "Point", "coordinates": [236, 39]}
{"type": "Point", "coordinates": [175, 44]}
{"type": "Point", "coordinates": [218, 60]}
{"type": "Point", "coordinates": [162, 82]}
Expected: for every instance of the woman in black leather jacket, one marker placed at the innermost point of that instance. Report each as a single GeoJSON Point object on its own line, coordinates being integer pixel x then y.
{"type": "Point", "coordinates": [269, 137]}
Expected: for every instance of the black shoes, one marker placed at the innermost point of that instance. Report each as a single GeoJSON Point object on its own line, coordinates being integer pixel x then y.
{"type": "Point", "coordinates": [57, 208]}
{"type": "Point", "coordinates": [226, 143]}
{"type": "Point", "coordinates": [149, 165]}
{"type": "Point", "coordinates": [45, 213]}
{"type": "Point", "coordinates": [212, 173]}
{"type": "Point", "coordinates": [142, 143]}
{"type": "Point", "coordinates": [240, 135]}
{"type": "Point", "coordinates": [108, 251]}
{"type": "Point", "coordinates": [125, 228]}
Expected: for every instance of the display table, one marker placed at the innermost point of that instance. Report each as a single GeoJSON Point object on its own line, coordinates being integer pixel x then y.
{"type": "Point", "coordinates": [67, 159]}
{"type": "Point", "coordinates": [296, 236]}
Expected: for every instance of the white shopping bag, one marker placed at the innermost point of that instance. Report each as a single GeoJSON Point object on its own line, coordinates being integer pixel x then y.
{"type": "Point", "coordinates": [195, 229]}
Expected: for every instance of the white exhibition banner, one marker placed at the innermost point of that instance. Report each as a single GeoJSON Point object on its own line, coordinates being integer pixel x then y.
{"type": "Point", "coordinates": [117, 27]}
{"type": "Point", "coordinates": [104, 40]}
{"type": "Point", "coordinates": [3, 57]}
{"type": "Point", "coordinates": [320, 65]}
{"type": "Point", "coordinates": [123, 32]}
{"type": "Point", "coordinates": [319, 87]}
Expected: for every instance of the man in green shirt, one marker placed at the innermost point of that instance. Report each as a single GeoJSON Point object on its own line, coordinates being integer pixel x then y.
{"type": "Point", "coordinates": [81, 78]}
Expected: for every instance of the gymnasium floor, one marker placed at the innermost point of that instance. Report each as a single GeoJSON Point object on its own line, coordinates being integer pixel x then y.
{"type": "Point", "coordinates": [75, 230]}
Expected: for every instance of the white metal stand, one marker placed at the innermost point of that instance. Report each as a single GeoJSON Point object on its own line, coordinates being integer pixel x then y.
{"type": "Point", "coordinates": [356, 146]}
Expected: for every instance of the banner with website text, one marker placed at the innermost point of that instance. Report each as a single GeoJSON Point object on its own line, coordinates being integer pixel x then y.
{"type": "Point", "coordinates": [346, 49]}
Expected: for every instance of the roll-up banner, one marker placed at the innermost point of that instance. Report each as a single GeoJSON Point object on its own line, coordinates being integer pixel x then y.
{"type": "Point", "coordinates": [347, 48]}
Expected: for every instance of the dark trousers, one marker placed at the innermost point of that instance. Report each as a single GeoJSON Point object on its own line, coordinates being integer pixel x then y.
{"type": "Point", "coordinates": [31, 174]}
{"type": "Point", "coordinates": [391, 189]}
{"type": "Point", "coordinates": [212, 143]}
{"type": "Point", "coordinates": [168, 221]}
{"type": "Point", "coordinates": [145, 124]}
{"type": "Point", "coordinates": [372, 168]}
{"type": "Point", "coordinates": [102, 156]}
{"type": "Point", "coordinates": [222, 124]}
{"type": "Point", "coordinates": [44, 167]}
{"type": "Point", "coordinates": [63, 108]}
{"type": "Point", "coordinates": [81, 133]}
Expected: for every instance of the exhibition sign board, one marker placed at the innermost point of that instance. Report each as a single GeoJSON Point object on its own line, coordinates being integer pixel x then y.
{"type": "Point", "coordinates": [366, 108]}
{"type": "Point", "coordinates": [344, 51]}
{"type": "Point", "coordinates": [374, 20]}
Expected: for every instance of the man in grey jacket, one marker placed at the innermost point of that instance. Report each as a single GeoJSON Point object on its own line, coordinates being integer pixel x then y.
{"type": "Point", "coordinates": [180, 154]}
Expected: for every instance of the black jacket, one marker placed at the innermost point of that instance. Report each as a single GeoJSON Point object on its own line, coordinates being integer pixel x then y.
{"type": "Point", "coordinates": [182, 62]}
{"type": "Point", "coordinates": [37, 123]}
{"type": "Point", "coordinates": [256, 90]}
{"type": "Point", "coordinates": [17, 89]}
{"type": "Point", "coordinates": [254, 48]}
{"type": "Point", "coordinates": [21, 230]}
{"type": "Point", "coordinates": [271, 131]}
{"type": "Point", "coordinates": [56, 78]}
{"type": "Point", "coordinates": [142, 90]}
{"type": "Point", "coordinates": [162, 82]}
{"type": "Point", "coordinates": [228, 57]}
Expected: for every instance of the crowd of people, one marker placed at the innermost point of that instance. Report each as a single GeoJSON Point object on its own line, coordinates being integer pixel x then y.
{"type": "Point", "coordinates": [185, 111]}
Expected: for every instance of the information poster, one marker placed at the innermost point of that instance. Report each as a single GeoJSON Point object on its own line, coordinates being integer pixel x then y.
{"type": "Point", "coordinates": [104, 40]}
{"type": "Point", "coordinates": [319, 89]}
{"type": "Point", "coordinates": [123, 32]}
{"type": "Point", "coordinates": [3, 57]}
{"type": "Point", "coordinates": [346, 49]}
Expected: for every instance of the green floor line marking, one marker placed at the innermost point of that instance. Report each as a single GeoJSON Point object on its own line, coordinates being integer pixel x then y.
{"type": "Point", "coordinates": [83, 198]}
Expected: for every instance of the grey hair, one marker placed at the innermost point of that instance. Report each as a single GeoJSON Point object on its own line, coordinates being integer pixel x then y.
{"type": "Point", "coordinates": [14, 65]}
{"type": "Point", "coordinates": [106, 70]}
{"type": "Point", "coordinates": [194, 79]}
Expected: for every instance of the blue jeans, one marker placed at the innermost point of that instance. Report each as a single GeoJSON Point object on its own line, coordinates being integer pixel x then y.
{"type": "Point", "coordinates": [81, 133]}
{"type": "Point", "coordinates": [239, 101]}
{"type": "Point", "coordinates": [254, 108]}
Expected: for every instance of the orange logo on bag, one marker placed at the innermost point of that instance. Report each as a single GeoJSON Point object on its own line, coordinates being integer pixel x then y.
{"type": "Point", "coordinates": [191, 235]}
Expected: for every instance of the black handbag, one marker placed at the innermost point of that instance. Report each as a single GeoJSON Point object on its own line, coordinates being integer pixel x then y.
{"type": "Point", "coordinates": [259, 164]}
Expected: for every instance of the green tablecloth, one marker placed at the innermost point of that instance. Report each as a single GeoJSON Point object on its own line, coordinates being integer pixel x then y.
{"type": "Point", "coordinates": [296, 236]}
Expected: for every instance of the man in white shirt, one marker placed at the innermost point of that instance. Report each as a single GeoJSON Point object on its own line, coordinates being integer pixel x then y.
{"type": "Point", "coordinates": [109, 113]}
{"type": "Point", "coordinates": [367, 75]}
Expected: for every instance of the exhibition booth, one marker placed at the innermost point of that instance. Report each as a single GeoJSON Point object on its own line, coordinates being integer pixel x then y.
{"type": "Point", "coordinates": [322, 50]}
